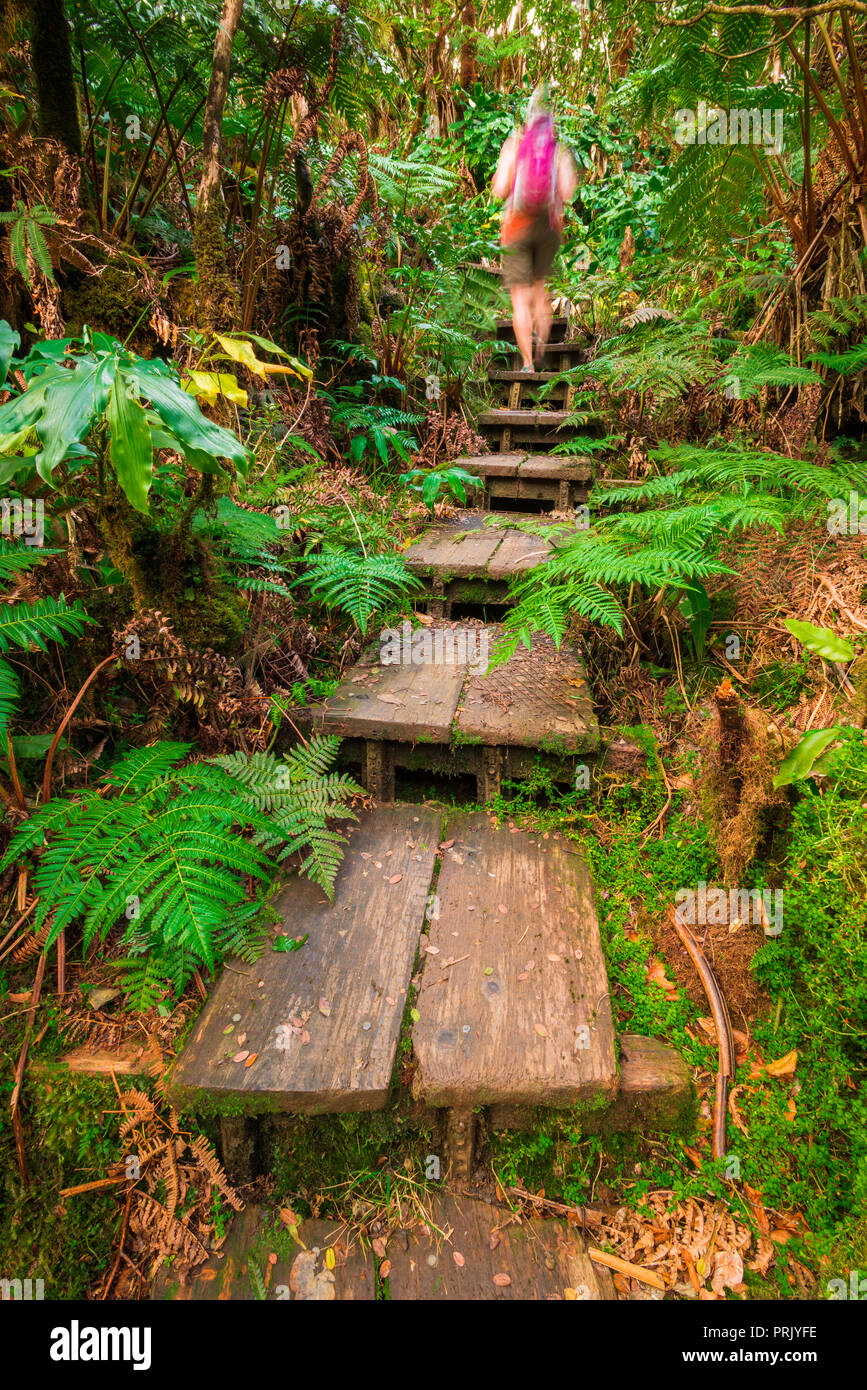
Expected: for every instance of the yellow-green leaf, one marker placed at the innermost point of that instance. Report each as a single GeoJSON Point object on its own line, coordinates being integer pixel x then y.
{"type": "Point", "coordinates": [208, 386]}
{"type": "Point", "coordinates": [239, 350]}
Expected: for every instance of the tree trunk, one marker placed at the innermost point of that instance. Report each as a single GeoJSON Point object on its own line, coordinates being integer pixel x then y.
{"type": "Point", "coordinates": [468, 49]}
{"type": "Point", "coordinates": [51, 54]}
{"type": "Point", "coordinates": [217, 297]}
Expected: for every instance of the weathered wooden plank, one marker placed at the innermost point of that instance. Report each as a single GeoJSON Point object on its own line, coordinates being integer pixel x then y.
{"type": "Point", "coordinates": [559, 323]}
{"type": "Point", "coordinates": [517, 551]}
{"type": "Point", "coordinates": [539, 699]}
{"type": "Point", "coordinates": [513, 1006]}
{"type": "Point", "coordinates": [323, 1021]}
{"type": "Point", "coordinates": [528, 378]}
{"type": "Point", "coordinates": [500, 418]}
{"type": "Point", "coordinates": [453, 548]}
{"type": "Point", "coordinates": [241, 1269]}
{"type": "Point", "coordinates": [401, 701]}
{"type": "Point", "coordinates": [453, 1259]}
{"type": "Point", "coordinates": [574, 467]}
{"type": "Point", "coordinates": [491, 465]}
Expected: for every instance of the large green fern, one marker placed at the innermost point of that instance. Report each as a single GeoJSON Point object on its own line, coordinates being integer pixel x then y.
{"type": "Point", "coordinates": [300, 796]}
{"type": "Point", "coordinates": [358, 585]}
{"type": "Point", "coordinates": [165, 851]}
{"type": "Point", "coordinates": [674, 544]}
{"type": "Point", "coordinates": [27, 625]}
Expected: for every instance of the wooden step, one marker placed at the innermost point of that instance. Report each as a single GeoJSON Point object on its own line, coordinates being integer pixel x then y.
{"type": "Point", "coordinates": [450, 1248]}
{"type": "Point", "coordinates": [443, 715]}
{"type": "Point", "coordinates": [574, 467]}
{"type": "Point", "coordinates": [505, 328]}
{"type": "Point", "coordinates": [524, 1011]}
{"type": "Point", "coordinates": [323, 1021]}
{"type": "Point", "coordinates": [528, 378]}
{"type": "Point", "coordinates": [560, 480]}
{"type": "Point", "coordinates": [539, 699]}
{"type": "Point", "coordinates": [557, 357]}
{"type": "Point", "coordinates": [502, 418]}
{"type": "Point", "coordinates": [241, 1268]}
{"type": "Point", "coordinates": [501, 1257]}
{"type": "Point", "coordinates": [465, 548]}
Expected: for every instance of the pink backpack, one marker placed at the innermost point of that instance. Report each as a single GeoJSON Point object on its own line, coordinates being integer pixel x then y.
{"type": "Point", "coordinates": [534, 188]}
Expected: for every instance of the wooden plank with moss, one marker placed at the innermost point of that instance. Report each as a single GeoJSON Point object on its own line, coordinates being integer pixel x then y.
{"type": "Point", "coordinates": [316, 1029]}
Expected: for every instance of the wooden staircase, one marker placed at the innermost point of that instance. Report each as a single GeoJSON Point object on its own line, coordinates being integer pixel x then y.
{"type": "Point", "coordinates": [459, 970]}
{"type": "Point", "coordinates": [524, 418]}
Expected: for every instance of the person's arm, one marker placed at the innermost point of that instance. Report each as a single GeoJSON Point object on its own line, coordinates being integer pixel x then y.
{"type": "Point", "coordinates": [567, 177]}
{"type": "Point", "coordinates": [501, 185]}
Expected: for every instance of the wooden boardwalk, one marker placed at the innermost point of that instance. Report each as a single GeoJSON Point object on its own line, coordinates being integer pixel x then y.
{"type": "Point", "coordinates": [495, 931]}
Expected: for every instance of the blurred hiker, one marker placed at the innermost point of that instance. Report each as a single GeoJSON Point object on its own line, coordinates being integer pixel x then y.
{"type": "Point", "coordinates": [536, 177]}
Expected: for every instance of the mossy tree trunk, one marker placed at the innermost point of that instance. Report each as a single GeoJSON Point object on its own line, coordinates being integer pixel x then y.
{"type": "Point", "coordinates": [52, 66]}
{"type": "Point", "coordinates": [217, 299]}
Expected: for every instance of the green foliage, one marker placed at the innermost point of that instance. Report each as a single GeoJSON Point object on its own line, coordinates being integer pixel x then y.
{"type": "Point", "coordinates": [300, 797]}
{"type": "Point", "coordinates": [379, 426]}
{"type": "Point", "coordinates": [356, 584]}
{"type": "Point", "coordinates": [26, 625]}
{"type": "Point", "coordinates": [26, 238]}
{"type": "Point", "coordinates": [68, 401]}
{"type": "Point", "coordinates": [164, 850]}
{"type": "Point", "coordinates": [708, 494]}
{"type": "Point", "coordinates": [430, 482]}
{"type": "Point", "coordinates": [804, 758]}
{"type": "Point", "coordinates": [821, 641]}
{"type": "Point", "coordinates": [821, 1167]}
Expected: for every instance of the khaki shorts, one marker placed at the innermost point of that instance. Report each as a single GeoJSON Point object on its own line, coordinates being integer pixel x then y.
{"type": "Point", "coordinates": [531, 255]}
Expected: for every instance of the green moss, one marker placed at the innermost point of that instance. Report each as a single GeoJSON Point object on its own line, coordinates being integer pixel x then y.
{"type": "Point", "coordinates": [110, 302]}
{"type": "Point", "coordinates": [70, 1137]}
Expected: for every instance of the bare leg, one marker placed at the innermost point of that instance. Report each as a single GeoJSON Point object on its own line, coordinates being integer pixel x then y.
{"type": "Point", "coordinates": [541, 316]}
{"type": "Point", "coordinates": [522, 319]}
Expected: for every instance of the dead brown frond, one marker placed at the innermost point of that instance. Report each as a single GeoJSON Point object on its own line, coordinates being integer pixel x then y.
{"type": "Point", "coordinates": [738, 785]}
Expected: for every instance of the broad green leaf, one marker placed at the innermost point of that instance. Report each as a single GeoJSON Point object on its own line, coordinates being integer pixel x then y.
{"type": "Point", "coordinates": [35, 745]}
{"type": "Point", "coordinates": [70, 399]}
{"type": "Point", "coordinates": [130, 449]}
{"type": "Point", "coordinates": [179, 413]}
{"type": "Point", "coordinates": [803, 757]}
{"type": "Point", "coordinates": [9, 341]}
{"type": "Point", "coordinates": [430, 490]}
{"type": "Point", "coordinates": [822, 641]}
{"type": "Point", "coordinates": [268, 346]}
{"type": "Point", "coordinates": [10, 466]}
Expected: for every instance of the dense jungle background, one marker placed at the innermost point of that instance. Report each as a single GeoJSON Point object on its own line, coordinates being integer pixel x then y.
{"type": "Point", "coordinates": [246, 309]}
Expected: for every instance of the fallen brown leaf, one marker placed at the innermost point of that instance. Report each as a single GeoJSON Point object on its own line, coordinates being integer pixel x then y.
{"type": "Point", "coordinates": [783, 1066]}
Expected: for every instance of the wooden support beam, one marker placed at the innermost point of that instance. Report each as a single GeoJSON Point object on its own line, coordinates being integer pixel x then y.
{"type": "Point", "coordinates": [379, 770]}
{"type": "Point", "coordinates": [460, 1143]}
